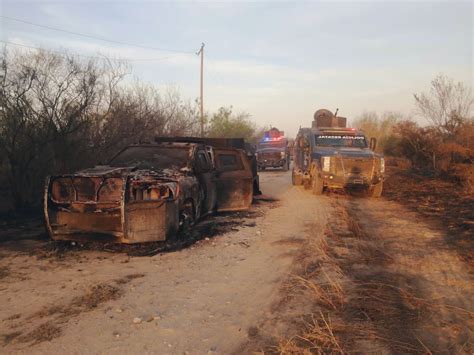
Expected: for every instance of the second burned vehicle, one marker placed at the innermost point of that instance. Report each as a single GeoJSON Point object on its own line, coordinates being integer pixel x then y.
{"type": "Point", "coordinates": [273, 151]}
{"type": "Point", "coordinates": [329, 155]}
{"type": "Point", "coordinates": [148, 192]}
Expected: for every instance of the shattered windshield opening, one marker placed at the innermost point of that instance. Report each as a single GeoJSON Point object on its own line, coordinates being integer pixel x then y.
{"type": "Point", "coordinates": [152, 157]}
{"type": "Point", "coordinates": [341, 141]}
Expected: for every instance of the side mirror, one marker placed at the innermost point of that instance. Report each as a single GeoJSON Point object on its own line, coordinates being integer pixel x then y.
{"type": "Point", "coordinates": [373, 143]}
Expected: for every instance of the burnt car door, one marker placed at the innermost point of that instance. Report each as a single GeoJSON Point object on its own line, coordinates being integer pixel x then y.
{"type": "Point", "coordinates": [204, 170]}
{"type": "Point", "coordinates": [234, 179]}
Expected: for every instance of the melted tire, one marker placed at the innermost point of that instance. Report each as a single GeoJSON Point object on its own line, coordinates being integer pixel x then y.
{"type": "Point", "coordinates": [186, 219]}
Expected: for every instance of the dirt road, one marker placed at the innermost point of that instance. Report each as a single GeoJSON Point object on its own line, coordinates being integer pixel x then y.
{"type": "Point", "coordinates": [230, 293]}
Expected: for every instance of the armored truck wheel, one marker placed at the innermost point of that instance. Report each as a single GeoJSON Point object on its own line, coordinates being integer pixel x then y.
{"type": "Point", "coordinates": [317, 185]}
{"type": "Point", "coordinates": [296, 179]}
{"type": "Point", "coordinates": [376, 190]}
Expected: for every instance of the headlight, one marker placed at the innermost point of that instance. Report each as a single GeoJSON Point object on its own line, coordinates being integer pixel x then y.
{"type": "Point", "coordinates": [282, 155]}
{"type": "Point", "coordinates": [62, 190]}
{"type": "Point", "coordinates": [111, 190]}
{"type": "Point", "coordinates": [151, 193]}
{"type": "Point", "coordinates": [326, 164]}
{"type": "Point", "coordinates": [382, 165]}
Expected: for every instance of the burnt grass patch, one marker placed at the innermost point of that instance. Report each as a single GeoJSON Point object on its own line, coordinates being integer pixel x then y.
{"type": "Point", "coordinates": [387, 302]}
{"type": "Point", "coordinates": [60, 314]}
{"type": "Point", "coordinates": [45, 332]}
{"type": "Point", "coordinates": [445, 203]}
{"type": "Point", "coordinates": [9, 337]}
{"type": "Point", "coordinates": [22, 225]}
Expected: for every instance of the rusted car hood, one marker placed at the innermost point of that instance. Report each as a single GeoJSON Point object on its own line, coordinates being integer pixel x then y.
{"type": "Point", "coordinates": [110, 171]}
{"type": "Point", "coordinates": [105, 170]}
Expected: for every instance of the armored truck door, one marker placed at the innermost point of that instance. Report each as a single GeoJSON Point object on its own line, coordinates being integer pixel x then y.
{"type": "Point", "coordinates": [234, 180]}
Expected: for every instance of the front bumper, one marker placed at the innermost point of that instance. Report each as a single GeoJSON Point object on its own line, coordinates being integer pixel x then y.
{"type": "Point", "coordinates": [349, 181]}
{"type": "Point", "coordinates": [137, 222]}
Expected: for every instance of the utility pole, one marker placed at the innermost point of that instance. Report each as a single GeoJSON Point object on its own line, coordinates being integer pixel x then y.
{"type": "Point", "coordinates": [201, 52]}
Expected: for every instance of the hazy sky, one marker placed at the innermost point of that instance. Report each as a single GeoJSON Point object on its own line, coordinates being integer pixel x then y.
{"type": "Point", "coordinates": [278, 61]}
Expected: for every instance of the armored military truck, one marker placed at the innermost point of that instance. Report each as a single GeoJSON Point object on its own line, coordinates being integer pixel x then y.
{"type": "Point", "coordinates": [272, 150]}
{"type": "Point", "coordinates": [330, 155]}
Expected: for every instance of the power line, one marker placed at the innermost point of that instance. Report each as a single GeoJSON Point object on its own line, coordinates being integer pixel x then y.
{"type": "Point", "coordinates": [83, 55]}
{"type": "Point", "coordinates": [94, 37]}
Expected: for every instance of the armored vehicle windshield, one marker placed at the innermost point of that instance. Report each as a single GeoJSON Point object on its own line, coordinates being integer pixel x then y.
{"type": "Point", "coordinates": [341, 141]}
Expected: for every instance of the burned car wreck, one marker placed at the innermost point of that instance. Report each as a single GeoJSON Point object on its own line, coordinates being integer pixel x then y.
{"type": "Point", "coordinates": [148, 192]}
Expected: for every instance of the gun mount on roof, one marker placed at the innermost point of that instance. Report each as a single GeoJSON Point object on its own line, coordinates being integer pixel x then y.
{"type": "Point", "coordinates": [325, 118]}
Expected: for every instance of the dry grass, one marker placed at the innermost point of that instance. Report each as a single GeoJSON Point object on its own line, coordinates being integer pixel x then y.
{"type": "Point", "coordinates": [315, 281]}
{"type": "Point", "coordinates": [318, 337]}
{"type": "Point", "coordinates": [352, 310]}
{"type": "Point", "coordinates": [346, 296]}
{"type": "Point", "coordinates": [328, 294]}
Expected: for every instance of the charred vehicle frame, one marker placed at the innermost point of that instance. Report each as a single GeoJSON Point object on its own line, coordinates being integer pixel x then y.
{"type": "Point", "coordinates": [148, 192]}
